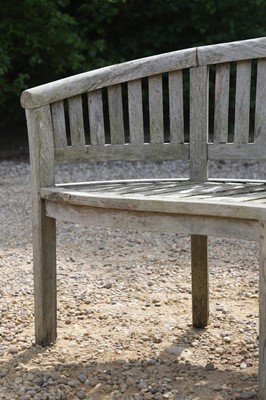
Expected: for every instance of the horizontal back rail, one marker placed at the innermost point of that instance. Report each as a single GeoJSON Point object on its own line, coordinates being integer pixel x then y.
{"type": "Point", "coordinates": [128, 152]}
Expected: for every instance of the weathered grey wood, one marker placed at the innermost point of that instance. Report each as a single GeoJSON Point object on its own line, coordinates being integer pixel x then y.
{"type": "Point", "coordinates": [232, 151]}
{"type": "Point", "coordinates": [176, 106]}
{"type": "Point", "coordinates": [260, 110]}
{"type": "Point", "coordinates": [156, 109]}
{"type": "Point", "coordinates": [96, 119]}
{"type": "Point", "coordinates": [196, 207]}
{"type": "Point", "coordinates": [41, 145]}
{"type": "Point", "coordinates": [200, 280]}
{"type": "Point", "coordinates": [242, 102]}
{"type": "Point", "coordinates": [116, 114]}
{"type": "Point", "coordinates": [199, 97]}
{"type": "Point", "coordinates": [59, 124]}
{"type": "Point", "coordinates": [128, 152]}
{"type": "Point", "coordinates": [75, 113]}
{"type": "Point", "coordinates": [222, 78]}
{"type": "Point", "coordinates": [103, 77]}
{"type": "Point", "coordinates": [234, 51]}
{"type": "Point", "coordinates": [262, 312]}
{"type": "Point", "coordinates": [135, 112]}
{"type": "Point", "coordinates": [149, 221]}
{"type": "Point", "coordinates": [220, 206]}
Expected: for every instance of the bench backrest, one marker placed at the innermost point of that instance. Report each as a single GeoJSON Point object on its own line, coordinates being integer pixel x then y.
{"type": "Point", "coordinates": [155, 108]}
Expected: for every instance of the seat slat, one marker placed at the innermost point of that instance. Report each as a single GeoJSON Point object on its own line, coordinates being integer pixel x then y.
{"type": "Point", "coordinates": [242, 101]}
{"type": "Point", "coordinates": [222, 78]}
{"type": "Point", "coordinates": [260, 109]}
{"type": "Point", "coordinates": [156, 109]}
{"type": "Point", "coordinates": [177, 189]}
{"type": "Point", "coordinates": [59, 124]}
{"type": "Point", "coordinates": [116, 118]}
{"type": "Point", "coordinates": [197, 199]}
{"type": "Point", "coordinates": [76, 123]}
{"type": "Point", "coordinates": [96, 120]}
{"type": "Point", "coordinates": [176, 106]}
{"type": "Point", "coordinates": [135, 111]}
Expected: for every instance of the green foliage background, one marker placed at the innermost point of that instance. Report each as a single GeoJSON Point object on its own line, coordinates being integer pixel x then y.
{"type": "Point", "coordinates": [43, 40]}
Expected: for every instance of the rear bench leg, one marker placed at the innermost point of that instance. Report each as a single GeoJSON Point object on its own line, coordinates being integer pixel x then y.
{"type": "Point", "coordinates": [200, 280]}
{"type": "Point", "coordinates": [262, 313]}
{"type": "Point", "coordinates": [44, 267]}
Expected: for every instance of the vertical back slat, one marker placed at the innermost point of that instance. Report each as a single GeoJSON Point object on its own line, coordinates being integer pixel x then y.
{"type": "Point", "coordinates": [76, 123]}
{"type": "Point", "coordinates": [242, 101]}
{"type": "Point", "coordinates": [176, 106]}
{"type": "Point", "coordinates": [260, 109]}
{"type": "Point", "coordinates": [59, 124]}
{"type": "Point", "coordinates": [222, 82]}
{"type": "Point", "coordinates": [156, 109]}
{"type": "Point", "coordinates": [199, 95]}
{"type": "Point", "coordinates": [135, 111]}
{"type": "Point", "coordinates": [116, 119]}
{"type": "Point", "coordinates": [96, 119]}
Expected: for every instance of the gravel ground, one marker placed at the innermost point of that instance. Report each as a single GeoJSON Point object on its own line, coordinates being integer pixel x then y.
{"type": "Point", "coordinates": [124, 305]}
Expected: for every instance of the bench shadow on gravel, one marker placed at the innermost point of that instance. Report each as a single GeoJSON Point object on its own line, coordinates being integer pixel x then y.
{"type": "Point", "coordinates": [167, 373]}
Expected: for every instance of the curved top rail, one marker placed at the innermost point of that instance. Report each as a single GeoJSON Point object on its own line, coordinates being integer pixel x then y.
{"type": "Point", "coordinates": [232, 51]}
{"type": "Point", "coordinates": [119, 73]}
{"type": "Point", "coordinates": [99, 78]}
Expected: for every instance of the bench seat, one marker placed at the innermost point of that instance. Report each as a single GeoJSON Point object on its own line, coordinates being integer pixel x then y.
{"type": "Point", "coordinates": [217, 198]}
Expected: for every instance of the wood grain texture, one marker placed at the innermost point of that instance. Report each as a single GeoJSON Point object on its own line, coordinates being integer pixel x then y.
{"type": "Point", "coordinates": [154, 222]}
{"type": "Point", "coordinates": [41, 145]}
{"type": "Point", "coordinates": [260, 109]}
{"type": "Point", "coordinates": [242, 102]}
{"type": "Point", "coordinates": [176, 106]}
{"type": "Point", "coordinates": [199, 96]}
{"type": "Point", "coordinates": [135, 112]}
{"type": "Point", "coordinates": [200, 280]}
{"type": "Point", "coordinates": [221, 200]}
{"type": "Point", "coordinates": [233, 51]}
{"type": "Point", "coordinates": [59, 124]}
{"type": "Point", "coordinates": [116, 116]}
{"type": "Point", "coordinates": [75, 113]}
{"type": "Point", "coordinates": [232, 151]}
{"type": "Point", "coordinates": [126, 152]}
{"type": "Point", "coordinates": [262, 312]}
{"type": "Point", "coordinates": [222, 80]}
{"type": "Point", "coordinates": [103, 77]}
{"type": "Point", "coordinates": [156, 109]}
{"type": "Point", "coordinates": [96, 119]}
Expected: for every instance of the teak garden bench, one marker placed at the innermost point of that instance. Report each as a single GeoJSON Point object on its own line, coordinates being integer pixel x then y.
{"type": "Point", "coordinates": [155, 108]}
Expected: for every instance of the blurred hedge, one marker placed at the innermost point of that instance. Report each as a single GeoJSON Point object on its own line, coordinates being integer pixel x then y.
{"type": "Point", "coordinates": [43, 40]}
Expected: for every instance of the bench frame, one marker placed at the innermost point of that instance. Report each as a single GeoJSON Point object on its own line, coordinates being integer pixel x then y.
{"type": "Point", "coordinates": [49, 145]}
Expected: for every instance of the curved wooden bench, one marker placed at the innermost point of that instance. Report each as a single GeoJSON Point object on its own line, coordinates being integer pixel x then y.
{"type": "Point", "coordinates": [100, 116]}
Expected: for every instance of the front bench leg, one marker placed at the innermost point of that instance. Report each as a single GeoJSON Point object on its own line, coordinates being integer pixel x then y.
{"type": "Point", "coordinates": [44, 267]}
{"type": "Point", "coordinates": [262, 313]}
{"type": "Point", "coordinates": [200, 280]}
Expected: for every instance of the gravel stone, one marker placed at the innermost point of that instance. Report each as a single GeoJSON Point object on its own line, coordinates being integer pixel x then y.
{"type": "Point", "coordinates": [124, 309]}
{"type": "Point", "coordinates": [248, 395]}
{"type": "Point", "coordinates": [81, 395]}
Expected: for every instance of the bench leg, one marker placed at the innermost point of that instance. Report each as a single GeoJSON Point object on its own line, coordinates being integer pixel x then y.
{"type": "Point", "coordinates": [262, 313]}
{"type": "Point", "coordinates": [200, 280]}
{"type": "Point", "coordinates": [44, 266]}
